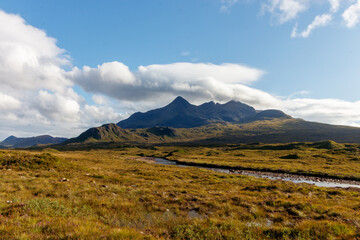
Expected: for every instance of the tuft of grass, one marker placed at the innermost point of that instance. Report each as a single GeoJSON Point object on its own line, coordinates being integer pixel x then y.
{"type": "Point", "coordinates": [22, 160]}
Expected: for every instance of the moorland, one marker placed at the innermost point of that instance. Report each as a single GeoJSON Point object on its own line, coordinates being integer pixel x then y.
{"type": "Point", "coordinates": [119, 193]}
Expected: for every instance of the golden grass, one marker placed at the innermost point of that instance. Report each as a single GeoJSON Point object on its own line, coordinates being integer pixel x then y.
{"type": "Point", "coordinates": [109, 194]}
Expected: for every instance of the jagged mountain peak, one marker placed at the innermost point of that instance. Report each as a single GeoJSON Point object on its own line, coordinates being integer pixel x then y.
{"type": "Point", "coordinates": [179, 102]}
{"type": "Point", "coordinates": [180, 99]}
{"type": "Point", "coordinates": [182, 114]}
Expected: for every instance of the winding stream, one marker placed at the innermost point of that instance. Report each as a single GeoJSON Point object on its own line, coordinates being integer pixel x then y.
{"type": "Point", "coordinates": [318, 181]}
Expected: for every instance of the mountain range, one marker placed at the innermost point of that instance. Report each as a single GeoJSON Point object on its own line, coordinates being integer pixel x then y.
{"type": "Point", "coordinates": [213, 123]}
{"type": "Point", "coordinates": [14, 142]}
{"type": "Point", "coordinates": [181, 114]}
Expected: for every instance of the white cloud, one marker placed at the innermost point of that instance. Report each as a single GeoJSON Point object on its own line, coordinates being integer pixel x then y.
{"type": "Point", "coordinates": [319, 21]}
{"type": "Point", "coordinates": [29, 59]}
{"type": "Point", "coordinates": [100, 99]}
{"type": "Point", "coordinates": [227, 72]}
{"type": "Point", "coordinates": [334, 5]}
{"type": "Point", "coordinates": [101, 114]}
{"type": "Point", "coordinates": [37, 95]}
{"type": "Point", "coordinates": [285, 10]}
{"type": "Point", "coordinates": [165, 81]}
{"type": "Point", "coordinates": [352, 14]}
{"type": "Point", "coordinates": [57, 107]}
{"type": "Point", "coordinates": [333, 111]}
{"type": "Point", "coordinates": [8, 102]}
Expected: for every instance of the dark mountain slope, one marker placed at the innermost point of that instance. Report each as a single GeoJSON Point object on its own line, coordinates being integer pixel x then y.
{"type": "Point", "coordinates": [14, 142]}
{"type": "Point", "coordinates": [113, 133]}
{"type": "Point", "coordinates": [181, 114]}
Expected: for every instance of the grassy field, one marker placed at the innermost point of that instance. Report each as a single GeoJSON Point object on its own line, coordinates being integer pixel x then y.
{"type": "Point", "coordinates": [117, 194]}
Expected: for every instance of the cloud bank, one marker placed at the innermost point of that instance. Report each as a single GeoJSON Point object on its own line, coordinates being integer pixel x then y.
{"type": "Point", "coordinates": [38, 86]}
{"type": "Point", "coordinates": [36, 95]}
{"type": "Point", "coordinates": [159, 84]}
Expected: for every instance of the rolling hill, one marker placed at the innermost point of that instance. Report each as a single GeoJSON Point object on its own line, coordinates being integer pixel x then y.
{"type": "Point", "coordinates": [14, 142]}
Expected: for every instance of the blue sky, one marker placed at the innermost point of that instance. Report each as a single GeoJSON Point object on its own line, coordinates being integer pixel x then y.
{"type": "Point", "coordinates": [313, 74]}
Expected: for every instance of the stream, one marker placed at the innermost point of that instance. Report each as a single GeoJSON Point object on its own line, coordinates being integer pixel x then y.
{"type": "Point", "coordinates": [317, 181]}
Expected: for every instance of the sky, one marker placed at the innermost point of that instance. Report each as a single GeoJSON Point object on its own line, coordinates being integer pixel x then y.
{"type": "Point", "coordinates": [66, 66]}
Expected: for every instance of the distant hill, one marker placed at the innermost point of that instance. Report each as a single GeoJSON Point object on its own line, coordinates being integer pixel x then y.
{"type": "Point", "coordinates": [14, 142]}
{"type": "Point", "coordinates": [181, 114]}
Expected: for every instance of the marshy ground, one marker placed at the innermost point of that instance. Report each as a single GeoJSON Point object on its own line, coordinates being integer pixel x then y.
{"type": "Point", "coordinates": [109, 194]}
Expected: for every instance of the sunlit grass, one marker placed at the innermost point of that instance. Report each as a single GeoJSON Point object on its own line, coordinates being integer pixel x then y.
{"type": "Point", "coordinates": [113, 194]}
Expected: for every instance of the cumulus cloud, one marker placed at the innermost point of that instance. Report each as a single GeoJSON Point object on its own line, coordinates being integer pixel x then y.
{"type": "Point", "coordinates": [29, 58]}
{"type": "Point", "coordinates": [319, 21]}
{"type": "Point", "coordinates": [57, 107]}
{"type": "Point", "coordinates": [8, 102]}
{"type": "Point", "coordinates": [351, 15]}
{"type": "Point", "coordinates": [333, 111]}
{"type": "Point", "coordinates": [100, 99]}
{"type": "Point", "coordinates": [334, 5]}
{"type": "Point", "coordinates": [101, 114]}
{"type": "Point", "coordinates": [37, 96]}
{"type": "Point", "coordinates": [205, 80]}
